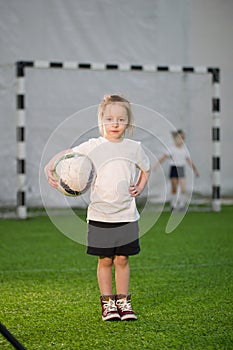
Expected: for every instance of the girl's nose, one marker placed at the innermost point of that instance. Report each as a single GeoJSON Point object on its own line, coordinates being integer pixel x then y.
{"type": "Point", "coordinates": [115, 123]}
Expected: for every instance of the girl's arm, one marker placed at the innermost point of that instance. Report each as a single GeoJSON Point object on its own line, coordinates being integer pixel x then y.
{"type": "Point", "coordinates": [190, 162]}
{"type": "Point", "coordinates": [136, 190]}
{"type": "Point", "coordinates": [49, 168]}
{"type": "Point", "coordinates": [161, 160]}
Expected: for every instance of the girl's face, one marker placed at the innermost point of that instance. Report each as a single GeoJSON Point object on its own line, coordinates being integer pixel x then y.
{"type": "Point", "coordinates": [179, 140]}
{"type": "Point", "coordinates": [115, 122]}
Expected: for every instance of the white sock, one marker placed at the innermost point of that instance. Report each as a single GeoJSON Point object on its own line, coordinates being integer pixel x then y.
{"type": "Point", "coordinates": [182, 200]}
{"type": "Point", "coordinates": [173, 200]}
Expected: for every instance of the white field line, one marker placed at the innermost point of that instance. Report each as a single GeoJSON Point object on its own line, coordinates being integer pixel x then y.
{"type": "Point", "coordinates": [157, 267]}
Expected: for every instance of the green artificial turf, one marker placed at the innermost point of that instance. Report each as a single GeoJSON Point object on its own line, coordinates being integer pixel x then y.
{"type": "Point", "coordinates": [181, 286]}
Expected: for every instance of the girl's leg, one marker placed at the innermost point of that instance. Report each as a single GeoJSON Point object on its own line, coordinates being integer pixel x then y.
{"type": "Point", "coordinates": [174, 186]}
{"type": "Point", "coordinates": [104, 275]}
{"type": "Point", "coordinates": [107, 299]}
{"type": "Point", "coordinates": [122, 274]}
{"type": "Point", "coordinates": [182, 183]}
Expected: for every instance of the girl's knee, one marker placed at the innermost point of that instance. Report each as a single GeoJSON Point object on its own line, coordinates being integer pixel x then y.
{"type": "Point", "coordinates": [105, 261]}
{"type": "Point", "coordinates": [121, 260]}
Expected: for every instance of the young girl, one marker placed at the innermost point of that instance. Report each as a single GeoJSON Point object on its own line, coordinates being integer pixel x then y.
{"type": "Point", "coordinates": [112, 214]}
{"type": "Point", "coordinates": [178, 157]}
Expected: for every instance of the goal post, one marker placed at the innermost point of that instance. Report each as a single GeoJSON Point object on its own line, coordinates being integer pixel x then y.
{"type": "Point", "coordinates": [21, 93]}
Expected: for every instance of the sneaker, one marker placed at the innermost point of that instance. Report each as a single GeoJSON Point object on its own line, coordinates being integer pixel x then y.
{"type": "Point", "coordinates": [109, 309]}
{"type": "Point", "coordinates": [124, 308]}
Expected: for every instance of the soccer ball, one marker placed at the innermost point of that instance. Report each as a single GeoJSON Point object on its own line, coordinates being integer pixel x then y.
{"type": "Point", "coordinates": [75, 173]}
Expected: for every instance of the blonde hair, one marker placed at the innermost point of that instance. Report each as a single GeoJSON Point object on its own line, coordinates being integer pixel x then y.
{"type": "Point", "coordinates": [112, 99]}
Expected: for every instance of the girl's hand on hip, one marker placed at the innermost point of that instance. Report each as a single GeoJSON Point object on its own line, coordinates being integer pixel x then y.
{"type": "Point", "coordinates": [134, 191]}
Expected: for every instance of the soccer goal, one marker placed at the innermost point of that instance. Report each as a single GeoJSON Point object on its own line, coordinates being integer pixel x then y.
{"type": "Point", "coordinates": [35, 79]}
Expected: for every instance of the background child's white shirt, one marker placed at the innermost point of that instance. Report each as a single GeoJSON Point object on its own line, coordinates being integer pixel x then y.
{"type": "Point", "coordinates": [177, 155]}
{"type": "Point", "coordinates": [116, 166]}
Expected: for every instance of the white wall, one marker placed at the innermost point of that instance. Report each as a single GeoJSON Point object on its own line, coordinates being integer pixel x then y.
{"type": "Point", "coordinates": [211, 31]}
{"type": "Point", "coordinates": [153, 31]}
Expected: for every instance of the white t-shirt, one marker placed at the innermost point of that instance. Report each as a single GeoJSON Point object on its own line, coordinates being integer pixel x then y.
{"type": "Point", "coordinates": [116, 168]}
{"type": "Point", "coordinates": [177, 155]}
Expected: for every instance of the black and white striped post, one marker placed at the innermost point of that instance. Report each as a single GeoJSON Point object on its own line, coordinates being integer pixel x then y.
{"type": "Point", "coordinates": [20, 138]}
{"type": "Point", "coordinates": [123, 67]}
{"type": "Point", "coordinates": [216, 167]}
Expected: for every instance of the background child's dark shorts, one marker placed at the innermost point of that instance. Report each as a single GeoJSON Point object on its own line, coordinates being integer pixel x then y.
{"type": "Point", "coordinates": [177, 171]}
{"type": "Point", "coordinates": [110, 239]}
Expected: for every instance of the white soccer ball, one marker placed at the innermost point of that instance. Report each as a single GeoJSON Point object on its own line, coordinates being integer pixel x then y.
{"type": "Point", "coordinates": [75, 172]}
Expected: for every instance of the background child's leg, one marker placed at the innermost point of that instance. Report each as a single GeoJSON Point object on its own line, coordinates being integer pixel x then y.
{"type": "Point", "coordinates": [174, 186]}
{"type": "Point", "coordinates": [104, 275]}
{"type": "Point", "coordinates": [182, 197]}
{"type": "Point", "coordinates": [122, 274]}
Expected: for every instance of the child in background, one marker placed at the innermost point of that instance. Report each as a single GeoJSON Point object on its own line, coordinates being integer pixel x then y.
{"type": "Point", "coordinates": [112, 216]}
{"type": "Point", "coordinates": [178, 157]}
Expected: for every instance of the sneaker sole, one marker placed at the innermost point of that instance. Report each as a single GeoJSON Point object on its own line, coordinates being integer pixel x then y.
{"type": "Point", "coordinates": [129, 318]}
{"type": "Point", "coordinates": [114, 317]}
